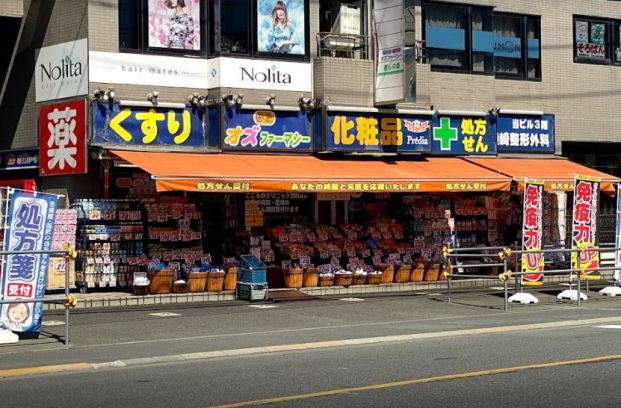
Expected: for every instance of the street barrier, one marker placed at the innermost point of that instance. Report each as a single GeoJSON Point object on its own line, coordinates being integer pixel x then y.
{"type": "Point", "coordinates": [508, 259]}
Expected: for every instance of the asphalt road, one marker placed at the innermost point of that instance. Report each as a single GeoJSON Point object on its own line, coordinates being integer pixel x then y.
{"type": "Point", "coordinates": [341, 351]}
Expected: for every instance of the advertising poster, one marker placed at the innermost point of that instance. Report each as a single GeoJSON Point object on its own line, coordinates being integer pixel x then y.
{"type": "Point", "coordinates": [62, 138]}
{"type": "Point", "coordinates": [582, 31]}
{"type": "Point", "coordinates": [174, 24]}
{"type": "Point", "coordinates": [532, 233]}
{"type": "Point", "coordinates": [586, 198]}
{"type": "Point", "coordinates": [30, 225]}
{"type": "Point", "coordinates": [281, 26]}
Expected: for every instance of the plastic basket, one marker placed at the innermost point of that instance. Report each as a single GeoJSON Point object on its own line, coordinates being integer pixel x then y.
{"type": "Point", "coordinates": [343, 279]}
{"type": "Point", "coordinates": [230, 278]}
{"type": "Point", "coordinates": [160, 281]}
{"type": "Point", "coordinates": [359, 279]}
{"type": "Point", "coordinates": [388, 272]}
{"type": "Point", "coordinates": [374, 278]}
{"type": "Point", "coordinates": [418, 272]}
{"type": "Point", "coordinates": [179, 287]}
{"type": "Point", "coordinates": [432, 273]}
{"type": "Point", "coordinates": [325, 280]}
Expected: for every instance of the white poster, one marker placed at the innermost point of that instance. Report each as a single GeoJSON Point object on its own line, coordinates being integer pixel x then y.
{"type": "Point", "coordinates": [390, 69]}
{"type": "Point", "coordinates": [61, 71]}
{"type": "Point", "coordinates": [155, 70]}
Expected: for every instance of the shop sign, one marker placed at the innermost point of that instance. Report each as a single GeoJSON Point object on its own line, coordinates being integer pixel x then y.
{"type": "Point", "coordinates": [475, 135]}
{"type": "Point", "coordinates": [532, 233]}
{"type": "Point", "coordinates": [261, 74]}
{"type": "Point", "coordinates": [132, 185]}
{"type": "Point", "coordinates": [62, 138]}
{"type": "Point", "coordinates": [525, 134]}
{"type": "Point", "coordinates": [61, 71]}
{"type": "Point", "coordinates": [30, 225]}
{"type": "Point", "coordinates": [260, 130]}
{"type": "Point", "coordinates": [586, 199]}
{"type": "Point", "coordinates": [114, 124]}
{"type": "Point", "coordinates": [19, 159]}
{"type": "Point", "coordinates": [592, 51]}
{"type": "Point", "coordinates": [376, 132]}
{"type": "Point", "coordinates": [151, 70]}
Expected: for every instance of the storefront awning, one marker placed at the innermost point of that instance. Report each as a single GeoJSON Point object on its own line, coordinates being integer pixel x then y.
{"type": "Point", "coordinates": [280, 173]}
{"type": "Point", "coordinates": [557, 173]}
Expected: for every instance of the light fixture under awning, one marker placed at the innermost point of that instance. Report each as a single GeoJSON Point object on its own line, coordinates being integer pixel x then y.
{"type": "Point", "coordinates": [298, 173]}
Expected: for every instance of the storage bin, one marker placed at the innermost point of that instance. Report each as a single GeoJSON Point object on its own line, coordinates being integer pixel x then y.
{"type": "Point", "coordinates": [432, 273]}
{"type": "Point", "coordinates": [374, 278]}
{"type": "Point", "coordinates": [402, 274]}
{"type": "Point", "coordinates": [293, 277]}
{"type": "Point", "coordinates": [179, 287]}
{"type": "Point", "coordinates": [359, 279]}
{"type": "Point", "coordinates": [418, 272]}
{"type": "Point", "coordinates": [140, 290]}
{"type": "Point", "coordinates": [230, 278]}
{"type": "Point", "coordinates": [197, 281]}
{"type": "Point", "coordinates": [388, 272]}
{"type": "Point", "coordinates": [343, 279]}
{"type": "Point", "coordinates": [160, 281]}
{"type": "Point", "coordinates": [325, 280]}
{"type": "Point", "coordinates": [215, 281]}
{"type": "Point", "coordinates": [310, 278]}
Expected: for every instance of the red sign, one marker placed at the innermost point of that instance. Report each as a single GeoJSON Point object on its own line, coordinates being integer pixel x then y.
{"type": "Point", "coordinates": [62, 138]}
{"type": "Point", "coordinates": [586, 194]}
{"type": "Point", "coordinates": [532, 231]}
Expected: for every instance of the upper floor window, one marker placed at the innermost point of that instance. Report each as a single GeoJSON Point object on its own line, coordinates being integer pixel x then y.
{"type": "Point", "coordinates": [474, 39]}
{"type": "Point", "coordinates": [274, 28]}
{"type": "Point", "coordinates": [596, 40]}
{"type": "Point", "coordinates": [516, 46]}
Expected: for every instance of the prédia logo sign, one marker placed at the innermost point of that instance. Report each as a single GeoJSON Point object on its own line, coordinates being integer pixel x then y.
{"type": "Point", "coordinates": [61, 71]}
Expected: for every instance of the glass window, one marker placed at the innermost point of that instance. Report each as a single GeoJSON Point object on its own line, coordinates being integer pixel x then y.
{"type": "Point", "coordinates": [516, 46]}
{"type": "Point", "coordinates": [482, 40]}
{"type": "Point", "coordinates": [617, 42]}
{"type": "Point", "coordinates": [129, 24]}
{"type": "Point", "coordinates": [533, 36]}
{"type": "Point", "coordinates": [230, 25]}
{"type": "Point", "coordinates": [445, 36]}
{"type": "Point", "coordinates": [592, 40]}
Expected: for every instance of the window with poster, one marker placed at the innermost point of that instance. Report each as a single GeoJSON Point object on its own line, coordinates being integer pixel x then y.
{"type": "Point", "coordinates": [162, 26]}
{"type": "Point", "coordinates": [597, 40]}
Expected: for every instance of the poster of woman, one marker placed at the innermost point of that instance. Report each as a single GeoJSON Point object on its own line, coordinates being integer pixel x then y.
{"type": "Point", "coordinates": [281, 26]}
{"type": "Point", "coordinates": [174, 24]}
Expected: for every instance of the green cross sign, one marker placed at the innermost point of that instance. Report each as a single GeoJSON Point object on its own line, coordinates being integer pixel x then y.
{"type": "Point", "coordinates": [445, 134]}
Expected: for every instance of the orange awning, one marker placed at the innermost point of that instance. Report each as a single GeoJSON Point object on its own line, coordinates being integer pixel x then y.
{"type": "Point", "coordinates": [557, 173]}
{"type": "Point", "coordinates": [279, 173]}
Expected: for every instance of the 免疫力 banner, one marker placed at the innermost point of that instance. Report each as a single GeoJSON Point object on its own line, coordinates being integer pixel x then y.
{"type": "Point", "coordinates": [30, 225]}
{"type": "Point", "coordinates": [532, 233]}
{"type": "Point", "coordinates": [586, 201]}
{"type": "Point", "coordinates": [617, 272]}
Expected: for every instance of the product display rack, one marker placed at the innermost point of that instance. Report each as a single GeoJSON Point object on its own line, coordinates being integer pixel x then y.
{"type": "Point", "coordinates": [109, 243]}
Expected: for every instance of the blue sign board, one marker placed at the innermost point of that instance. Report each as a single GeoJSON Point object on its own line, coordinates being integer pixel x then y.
{"type": "Point", "coordinates": [377, 132]}
{"type": "Point", "coordinates": [266, 130]}
{"type": "Point", "coordinates": [525, 133]}
{"type": "Point", "coordinates": [114, 124]}
{"type": "Point", "coordinates": [19, 159]}
{"type": "Point", "coordinates": [467, 135]}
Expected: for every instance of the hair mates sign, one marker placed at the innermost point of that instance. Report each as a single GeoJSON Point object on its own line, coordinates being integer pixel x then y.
{"type": "Point", "coordinates": [61, 71]}
{"type": "Point", "coordinates": [62, 138]}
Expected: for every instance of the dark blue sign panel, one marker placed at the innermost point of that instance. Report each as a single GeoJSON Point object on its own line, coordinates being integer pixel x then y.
{"type": "Point", "coordinates": [467, 135]}
{"type": "Point", "coordinates": [19, 159]}
{"type": "Point", "coordinates": [525, 134]}
{"type": "Point", "coordinates": [114, 124]}
{"type": "Point", "coordinates": [377, 132]}
{"type": "Point", "coordinates": [266, 130]}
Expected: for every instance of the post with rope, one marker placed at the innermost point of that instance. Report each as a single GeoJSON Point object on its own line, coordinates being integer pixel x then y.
{"type": "Point", "coordinates": [446, 250]}
{"type": "Point", "coordinates": [71, 300]}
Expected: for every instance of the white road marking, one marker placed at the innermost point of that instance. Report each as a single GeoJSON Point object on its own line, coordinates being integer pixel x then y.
{"type": "Point", "coordinates": [610, 326]}
{"type": "Point", "coordinates": [263, 306]}
{"type": "Point", "coordinates": [164, 314]}
{"type": "Point", "coordinates": [52, 323]}
{"type": "Point", "coordinates": [352, 299]}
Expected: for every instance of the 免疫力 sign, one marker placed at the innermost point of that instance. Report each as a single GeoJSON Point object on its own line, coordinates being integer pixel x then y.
{"type": "Point", "coordinates": [377, 132]}
{"type": "Point", "coordinates": [114, 124]}
{"type": "Point", "coordinates": [62, 138]}
{"type": "Point", "coordinates": [463, 135]}
{"type": "Point", "coordinates": [525, 134]}
{"type": "Point", "coordinates": [258, 130]}
{"type": "Point", "coordinates": [586, 199]}
{"type": "Point", "coordinates": [532, 233]}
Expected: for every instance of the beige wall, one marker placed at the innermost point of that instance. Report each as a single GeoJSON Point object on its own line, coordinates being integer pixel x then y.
{"type": "Point", "coordinates": [68, 22]}
{"type": "Point", "coordinates": [12, 8]}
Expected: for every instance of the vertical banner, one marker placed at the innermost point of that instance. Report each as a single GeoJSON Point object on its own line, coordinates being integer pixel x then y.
{"type": "Point", "coordinates": [617, 273]}
{"type": "Point", "coordinates": [586, 201]}
{"type": "Point", "coordinates": [532, 233]}
{"type": "Point", "coordinates": [390, 68]}
{"type": "Point", "coordinates": [29, 227]}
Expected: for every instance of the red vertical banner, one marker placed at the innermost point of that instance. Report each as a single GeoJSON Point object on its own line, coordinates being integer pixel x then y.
{"type": "Point", "coordinates": [586, 202]}
{"type": "Point", "coordinates": [62, 138]}
{"type": "Point", "coordinates": [532, 233]}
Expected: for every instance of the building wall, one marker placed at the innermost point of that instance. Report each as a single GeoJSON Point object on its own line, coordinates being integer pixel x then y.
{"type": "Point", "coordinates": [67, 22]}
{"type": "Point", "coordinates": [12, 8]}
{"type": "Point", "coordinates": [583, 97]}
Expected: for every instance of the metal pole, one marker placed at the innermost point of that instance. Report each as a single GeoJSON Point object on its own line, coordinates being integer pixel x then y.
{"type": "Point", "coordinates": [578, 295]}
{"type": "Point", "coordinates": [66, 296]}
{"type": "Point", "coordinates": [448, 283]}
{"type": "Point", "coordinates": [506, 288]}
